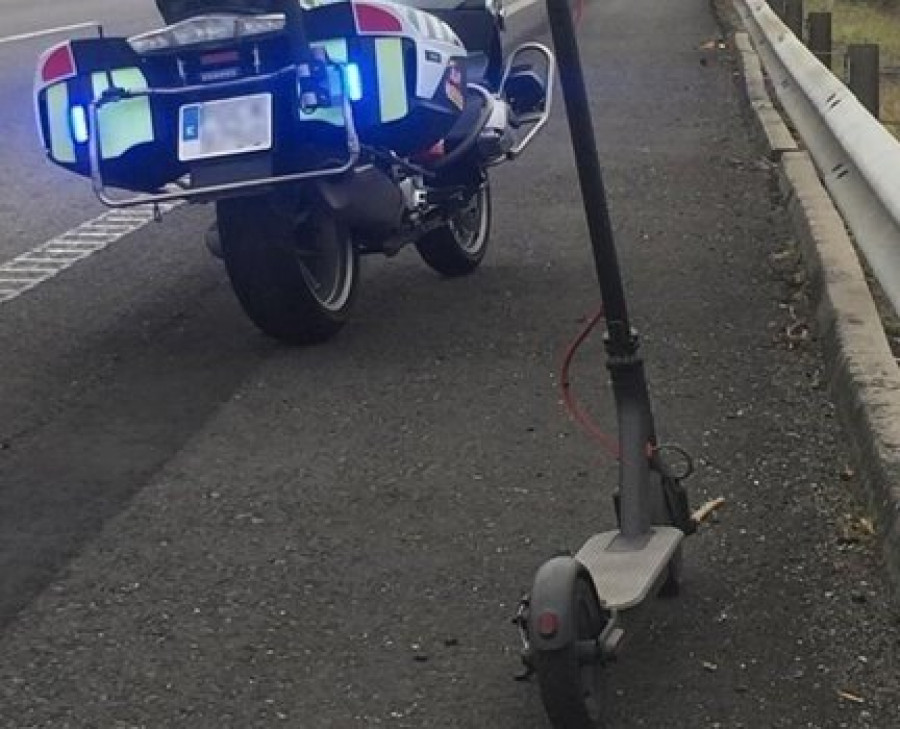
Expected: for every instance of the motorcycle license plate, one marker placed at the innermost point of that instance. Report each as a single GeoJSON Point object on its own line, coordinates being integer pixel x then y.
{"type": "Point", "coordinates": [225, 127]}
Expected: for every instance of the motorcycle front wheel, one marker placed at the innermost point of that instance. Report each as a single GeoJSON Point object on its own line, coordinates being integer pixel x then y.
{"type": "Point", "coordinates": [458, 247]}
{"type": "Point", "coordinates": [295, 272]}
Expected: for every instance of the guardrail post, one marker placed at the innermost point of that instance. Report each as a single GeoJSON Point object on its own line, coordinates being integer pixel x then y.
{"type": "Point", "coordinates": [864, 75]}
{"type": "Point", "coordinates": [793, 16]}
{"type": "Point", "coordinates": [819, 43]}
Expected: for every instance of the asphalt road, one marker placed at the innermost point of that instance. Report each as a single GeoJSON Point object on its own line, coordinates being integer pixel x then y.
{"type": "Point", "coordinates": [201, 528]}
{"type": "Point", "coordinates": [39, 203]}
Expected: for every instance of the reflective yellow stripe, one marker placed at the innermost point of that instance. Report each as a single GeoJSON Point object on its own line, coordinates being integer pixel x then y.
{"type": "Point", "coordinates": [392, 100]}
{"type": "Point", "coordinates": [391, 79]}
{"type": "Point", "coordinates": [62, 148]}
{"type": "Point", "coordinates": [336, 49]}
{"type": "Point", "coordinates": [127, 123]}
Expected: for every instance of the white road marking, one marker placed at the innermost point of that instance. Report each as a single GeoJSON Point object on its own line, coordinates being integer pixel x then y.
{"type": "Point", "coordinates": [48, 31]}
{"type": "Point", "coordinates": [29, 269]}
{"type": "Point", "coordinates": [518, 6]}
{"type": "Point", "coordinates": [68, 251]}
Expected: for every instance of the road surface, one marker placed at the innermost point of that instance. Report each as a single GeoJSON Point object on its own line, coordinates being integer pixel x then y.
{"type": "Point", "coordinates": [201, 528]}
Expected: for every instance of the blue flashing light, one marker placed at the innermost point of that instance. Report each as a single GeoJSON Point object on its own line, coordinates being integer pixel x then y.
{"type": "Point", "coordinates": [78, 120]}
{"type": "Point", "coordinates": [353, 82]}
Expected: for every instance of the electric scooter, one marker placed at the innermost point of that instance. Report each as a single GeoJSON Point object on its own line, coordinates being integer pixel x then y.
{"type": "Point", "coordinates": [571, 623]}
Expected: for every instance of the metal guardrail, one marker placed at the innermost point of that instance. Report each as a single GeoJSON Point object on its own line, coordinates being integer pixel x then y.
{"type": "Point", "coordinates": [857, 158]}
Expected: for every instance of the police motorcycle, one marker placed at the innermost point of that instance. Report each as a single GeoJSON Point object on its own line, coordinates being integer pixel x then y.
{"type": "Point", "coordinates": [320, 130]}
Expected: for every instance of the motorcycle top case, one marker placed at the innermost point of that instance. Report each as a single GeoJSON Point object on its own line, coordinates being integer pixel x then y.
{"type": "Point", "coordinates": [73, 74]}
{"type": "Point", "coordinates": [402, 69]}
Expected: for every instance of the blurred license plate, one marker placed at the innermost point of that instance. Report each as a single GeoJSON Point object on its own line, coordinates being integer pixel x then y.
{"type": "Point", "coordinates": [225, 127]}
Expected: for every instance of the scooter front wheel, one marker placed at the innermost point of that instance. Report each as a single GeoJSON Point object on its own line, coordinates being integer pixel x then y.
{"type": "Point", "coordinates": [568, 665]}
{"type": "Point", "coordinates": [458, 247]}
{"type": "Point", "coordinates": [295, 272]}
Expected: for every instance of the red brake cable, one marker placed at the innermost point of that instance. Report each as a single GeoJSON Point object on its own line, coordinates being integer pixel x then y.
{"type": "Point", "coordinates": [573, 407]}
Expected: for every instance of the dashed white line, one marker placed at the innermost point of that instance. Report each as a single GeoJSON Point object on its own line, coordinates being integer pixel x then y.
{"type": "Point", "coordinates": [48, 31]}
{"type": "Point", "coordinates": [39, 261]}
{"type": "Point", "coordinates": [55, 252]}
{"type": "Point", "coordinates": [27, 270]}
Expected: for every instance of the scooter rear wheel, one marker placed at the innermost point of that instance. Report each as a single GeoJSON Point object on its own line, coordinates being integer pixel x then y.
{"type": "Point", "coordinates": [569, 675]}
{"type": "Point", "coordinates": [458, 247]}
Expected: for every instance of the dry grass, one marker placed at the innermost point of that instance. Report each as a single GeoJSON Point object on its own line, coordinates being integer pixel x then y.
{"type": "Point", "coordinates": [890, 104]}
{"type": "Point", "coordinates": [859, 22]}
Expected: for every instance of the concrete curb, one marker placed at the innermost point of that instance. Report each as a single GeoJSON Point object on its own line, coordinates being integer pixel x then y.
{"type": "Point", "coordinates": [778, 137]}
{"type": "Point", "coordinates": [864, 379]}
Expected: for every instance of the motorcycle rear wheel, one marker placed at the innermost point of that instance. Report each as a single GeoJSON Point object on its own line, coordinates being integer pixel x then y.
{"type": "Point", "coordinates": [458, 247]}
{"type": "Point", "coordinates": [295, 273]}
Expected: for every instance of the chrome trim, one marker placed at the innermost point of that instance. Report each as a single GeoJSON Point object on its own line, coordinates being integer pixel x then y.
{"type": "Point", "coordinates": [538, 120]}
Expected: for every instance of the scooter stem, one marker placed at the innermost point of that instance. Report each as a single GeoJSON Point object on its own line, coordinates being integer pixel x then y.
{"type": "Point", "coordinates": [639, 504]}
{"type": "Point", "coordinates": [590, 178]}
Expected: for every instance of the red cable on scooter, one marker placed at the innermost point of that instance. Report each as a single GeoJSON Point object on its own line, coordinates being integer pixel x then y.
{"type": "Point", "coordinates": [574, 409]}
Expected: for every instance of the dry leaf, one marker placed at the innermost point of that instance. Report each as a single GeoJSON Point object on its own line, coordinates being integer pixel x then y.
{"type": "Point", "coordinates": [847, 696]}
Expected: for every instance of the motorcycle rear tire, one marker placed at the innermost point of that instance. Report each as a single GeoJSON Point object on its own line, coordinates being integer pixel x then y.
{"type": "Point", "coordinates": [458, 247]}
{"type": "Point", "coordinates": [295, 273]}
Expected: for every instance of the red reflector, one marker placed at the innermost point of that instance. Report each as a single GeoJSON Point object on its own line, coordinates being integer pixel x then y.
{"type": "Point", "coordinates": [548, 624]}
{"type": "Point", "coordinates": [211, 59]}
{"type": "Point", "coordinates": [57, 63]}
{"type": "Point", "coordinates": [375, 19]}
{"type": "Point", "coordinates": [432, 154]}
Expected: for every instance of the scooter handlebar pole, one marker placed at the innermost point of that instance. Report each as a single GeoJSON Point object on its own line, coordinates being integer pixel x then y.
{"type": "Point", "coordinates": [590, 178]}
{"type": "Point", "coordinates": [639, 503]}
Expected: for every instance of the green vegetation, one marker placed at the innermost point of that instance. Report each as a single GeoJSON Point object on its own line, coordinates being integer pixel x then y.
{"type": "Point", "coordinates": [877, 21]}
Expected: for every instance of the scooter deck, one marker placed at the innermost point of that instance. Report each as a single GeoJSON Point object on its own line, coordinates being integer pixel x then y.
{"type": "Point", "coordinates": [625, 569]}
